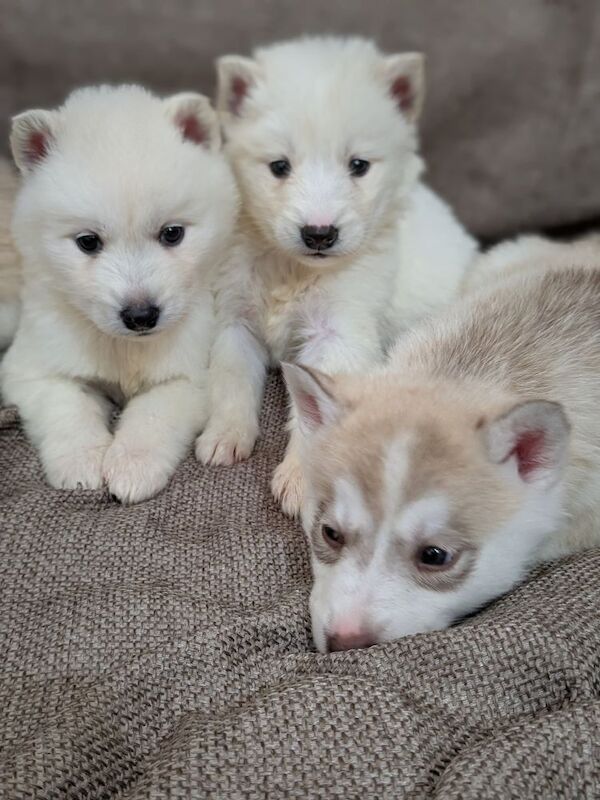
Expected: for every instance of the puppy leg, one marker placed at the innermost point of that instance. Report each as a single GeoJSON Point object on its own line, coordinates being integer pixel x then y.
{"type": "Point", "coordinates": [348, 346]}
{"type": "Point", "coordinates": [288, 483]}
{"type": "Point", "coordinates": [68, 423]}
{"type": "Point", "coordinates": [153, 435]}
{"type": "Point", "coordinates": [236, 377]}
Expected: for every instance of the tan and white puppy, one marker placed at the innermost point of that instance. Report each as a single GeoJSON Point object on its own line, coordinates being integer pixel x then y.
{"type": "Point", "coordinates": [125, 209]}
{"type": "Point", "coordinates": [434, 484]}
{"type": "Point", "coordinates": [341, 245]}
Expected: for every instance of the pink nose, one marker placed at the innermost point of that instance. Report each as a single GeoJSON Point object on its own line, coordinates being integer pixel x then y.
{"type": "Point", "coordinates": [350, 640]}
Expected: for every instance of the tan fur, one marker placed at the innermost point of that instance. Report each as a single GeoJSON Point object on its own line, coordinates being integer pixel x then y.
{"type": "Point", "coordinates": [534, 335]}
{"type": "Point", "coordinates": [444, 448]}
{"type": "Point", "coordinates": [527, 254]}
{"type": "Point", "coordinates": [438, 480]}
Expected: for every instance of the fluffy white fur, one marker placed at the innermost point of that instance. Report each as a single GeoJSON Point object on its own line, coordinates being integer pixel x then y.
{"type": "Point", "coordinates": [479, 437]}
{"type": "Point", "coordinates": [123, 164]}
{"type": "Point", "coordinates": [10, 271]}
{"type": "Point", "coordinates": [399, 254]}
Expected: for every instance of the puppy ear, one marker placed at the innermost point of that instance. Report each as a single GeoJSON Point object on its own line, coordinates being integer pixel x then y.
{"type": "Point", "coordinates": [31, 138]}
{"type": "Point", "coordinates": [312, 394]}
{"type": "Point", "coordinates": [536, 435]}
{"type": "Point", "coordinates": [196, 119]}
{"type": "Point", "coordinates": [405, 77]}
{"type": "Point", "coordinates": [236, 76]}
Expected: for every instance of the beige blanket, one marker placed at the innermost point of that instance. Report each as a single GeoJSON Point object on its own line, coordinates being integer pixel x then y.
{"type": "Point", "coordinates": [164, 651]}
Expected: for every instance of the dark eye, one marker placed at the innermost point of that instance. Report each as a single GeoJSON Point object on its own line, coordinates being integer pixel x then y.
{"type": "Point", "coordinates": [358, 167]}
{"type": "Point", "coordinates": [332, 537]}
{"type": "Point", "coordinates": [89, 243]}
{"type": "Point", "coordinates": [281, 168]}
{"type": "Point", "coordinates": [433, 557]}
{"type": "Point", "coordinates": [171, 235]}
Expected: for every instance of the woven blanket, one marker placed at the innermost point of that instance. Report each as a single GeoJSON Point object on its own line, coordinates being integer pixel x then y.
{"type": "Point", "coordinates": [164, 651]}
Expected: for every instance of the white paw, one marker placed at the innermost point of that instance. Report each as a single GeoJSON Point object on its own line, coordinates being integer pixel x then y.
{"type": "Point", "coordinates": [133, 475]}
{"type": "Point", "coordinates": [226, 443]}
{"type": "Point", "coordinates": [288, 486]}
{"type": "Point", "coordinates": [79, 468]}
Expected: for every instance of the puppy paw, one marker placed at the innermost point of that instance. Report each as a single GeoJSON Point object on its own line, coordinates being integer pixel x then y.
{"type": "Point", "coordinates": [77, 468]}
{"type": "Point", "coordinates": [288, 486]}
{"type": "Point", "coordinates": [133, 475]}
{"type": "Point", "coordinates": [226, 443]}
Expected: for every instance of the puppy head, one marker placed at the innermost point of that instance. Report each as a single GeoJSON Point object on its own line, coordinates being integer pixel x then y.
{"type": "Point", "coordinates": [321, 133]}
{"type": "Point", "coordinates": [422, 505]}
{"type": "Point", "coordinates": [125, 205]}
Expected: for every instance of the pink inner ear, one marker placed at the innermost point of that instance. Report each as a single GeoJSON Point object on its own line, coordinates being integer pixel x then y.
{"type": "Point", "coordinates": [239, 89]}
{"type": "Point", "coordinates": [402, 93]}
{"type": "Point", "coordinates": [37, 147]}
{"type": "Point", "coordinates": [192, 129]}
{"type": "Point", "coordinates": [309, 409]}
{"type": "Point", "coordinates": [530, 452]}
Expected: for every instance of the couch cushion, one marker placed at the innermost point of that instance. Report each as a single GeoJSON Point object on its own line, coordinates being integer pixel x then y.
{"type": "Point", "coordinates": [512, 118]}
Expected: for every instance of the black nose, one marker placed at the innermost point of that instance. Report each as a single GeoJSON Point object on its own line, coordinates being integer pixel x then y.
{"type": "Point", "coordinates": [319, 237]}
{"type": "Point", "coordinates": [140, 318]}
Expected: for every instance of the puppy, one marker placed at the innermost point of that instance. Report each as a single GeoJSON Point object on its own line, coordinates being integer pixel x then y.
{"type": "Point", "coordinates": [526, 254]}
{"type": "Point", "coordinates": [437, 482]}
{"type": "Point", "coordinates": [125, 208]}
{"type": "Point", "coordinates": [341, 245]}
{"type": "Point", "coordinates": [10, 272]}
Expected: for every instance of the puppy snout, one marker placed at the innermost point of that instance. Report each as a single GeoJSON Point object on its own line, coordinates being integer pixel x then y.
{"type": "Point", "coordinates": [319, 237]}
{"type": "Point", "coordinates": [350, 640]}
{"type": "Point", "coordinates": [140, 318]}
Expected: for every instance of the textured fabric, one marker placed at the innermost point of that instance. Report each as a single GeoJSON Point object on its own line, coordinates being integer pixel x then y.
{"type": "Point", "coordinates": [164, 651]}
{"type": "Point", "coordinates": [512, 115]}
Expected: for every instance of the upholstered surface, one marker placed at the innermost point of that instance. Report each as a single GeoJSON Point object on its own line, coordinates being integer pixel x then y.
{"type": "Point", "coordinates": [512, 118]}
{"type": "Point", "coordinates": [164, 651]}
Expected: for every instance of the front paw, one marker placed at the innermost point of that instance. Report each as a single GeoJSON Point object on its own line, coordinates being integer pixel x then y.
{"type": "Point", "coordinates": [225, 443]}
{"type": "Point", "coordinates": [133, 475]}
{"type": "Point", "coordinates": [78, 467]}
{"type": "Point", "coordinates": [288, 486]}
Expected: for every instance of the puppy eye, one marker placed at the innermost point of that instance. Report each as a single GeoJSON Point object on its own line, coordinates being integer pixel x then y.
{"type": "Point", "coordinates": [171, 235]}
{"type": "Point", "coordinates": [89, 243]}
{"type": "Point", "coordinates": [358, 167]}
{"type": "Point", "coordinates": [332, 537]}
{"type": "Point", "coordinates": [281, 168]}
{"type": "Point", "coordinates": [432, 557]}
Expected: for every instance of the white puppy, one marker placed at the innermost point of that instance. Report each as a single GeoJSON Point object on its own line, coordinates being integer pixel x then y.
{"type": "Point", "coordinates": [125, 208]}
{"type": "Point", "coordinates": [435, 483]}
{"type": "Point", "coordinates": [10, 272]}
{"type": "Point", "coordinates": [341, 245]}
